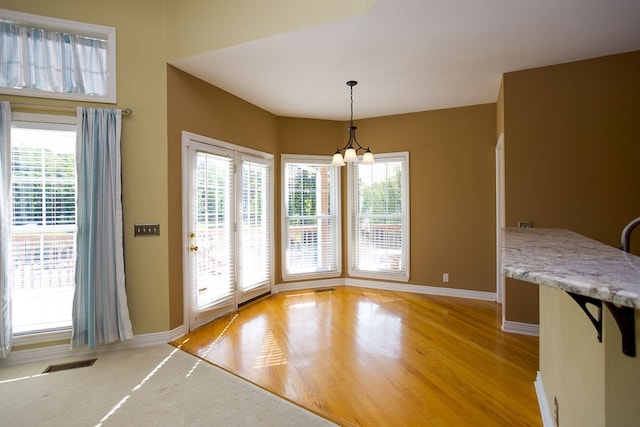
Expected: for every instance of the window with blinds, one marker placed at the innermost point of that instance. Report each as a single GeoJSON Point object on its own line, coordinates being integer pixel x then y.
{"type": "Point", "coordinates": [311, 222]}
{"type": "Point", "coordinates": [43, 225]}
{"type": "Point", "coordinates": [255, 225]}
{"type": "Point", "coordinates": [379, 217]}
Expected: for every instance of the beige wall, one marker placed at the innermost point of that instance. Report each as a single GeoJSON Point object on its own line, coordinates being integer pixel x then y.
{"type": "Point", "coordinates": [141, 79]}
{"type": "Point", "coordinates": [571, 150]}
{"type": "Point", "coordinates": [199, 26]}
{"type": "Point", "coordinates": [594, 382]}
{"type": "Point", "coordinates": [571, 360]}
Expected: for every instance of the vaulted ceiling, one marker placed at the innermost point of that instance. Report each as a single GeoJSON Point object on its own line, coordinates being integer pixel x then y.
{"type": "Point", "coordinates": [415, 55]}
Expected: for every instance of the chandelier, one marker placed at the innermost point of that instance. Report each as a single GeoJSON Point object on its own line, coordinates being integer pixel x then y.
{"type": "Point", "coordinates": [349, 153]}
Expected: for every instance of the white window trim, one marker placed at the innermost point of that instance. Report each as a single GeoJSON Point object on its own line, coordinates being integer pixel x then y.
{"type": "Point", "coordinates": [58, 334]}
{"type": "Point", "coordinates": [72, 27]}
{"type": "Point", "coordinates": [303, 158]}
{"type": "Point", "coordinates": [401, 276]}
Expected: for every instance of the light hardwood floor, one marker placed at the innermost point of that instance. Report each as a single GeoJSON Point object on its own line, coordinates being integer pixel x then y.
{"type": "Point", "coordinates": [377, 358]}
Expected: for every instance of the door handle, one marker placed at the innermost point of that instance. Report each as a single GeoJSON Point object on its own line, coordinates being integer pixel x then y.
{"type": "Point", "coordinates": [193, 248]}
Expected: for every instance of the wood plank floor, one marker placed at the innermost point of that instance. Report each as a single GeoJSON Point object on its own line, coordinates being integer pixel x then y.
{"type": "Point", "coordinates": [376, 358]}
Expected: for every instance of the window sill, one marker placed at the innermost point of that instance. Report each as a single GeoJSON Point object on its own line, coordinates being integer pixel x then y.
{"type": "Point", "coordinates": [311, 276]}
{"type": "Point", "coordinates": [42, 337]}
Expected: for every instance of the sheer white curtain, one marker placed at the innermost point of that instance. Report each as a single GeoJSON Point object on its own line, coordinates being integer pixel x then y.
{"type": "Point", "coordinates": [6, 330]}
{"type": "Point", "coordinates": [100, 312]}
{"type": "Point", "coordinates": [39, 59]}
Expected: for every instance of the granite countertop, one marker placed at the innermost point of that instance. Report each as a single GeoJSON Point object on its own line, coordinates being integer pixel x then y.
{"type": "Point", "coordinates": [569, 261]}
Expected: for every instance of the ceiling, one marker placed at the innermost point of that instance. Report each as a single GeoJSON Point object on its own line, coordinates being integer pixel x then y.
{"type": "Point", "coordinates": [415, 55]}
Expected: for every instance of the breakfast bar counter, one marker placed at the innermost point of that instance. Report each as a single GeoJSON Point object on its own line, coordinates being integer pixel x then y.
{"type": "Point", "coordinates": [586, 381]}
{"type": "Point", "coordinates": [571, 262]}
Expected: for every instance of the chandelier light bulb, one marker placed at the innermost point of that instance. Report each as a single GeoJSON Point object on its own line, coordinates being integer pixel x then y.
{"type": "Point", "coordinates": [350, 155]}
{"type": "Point", "coordinates": [337, 160]}
{"type": "Point", "coordinates": [367, 159]}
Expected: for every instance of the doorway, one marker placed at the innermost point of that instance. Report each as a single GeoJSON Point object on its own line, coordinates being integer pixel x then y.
{"type": "Point", "coordinates": [227, 226]}
{"type": "Point", "coordinates": [500, 220]}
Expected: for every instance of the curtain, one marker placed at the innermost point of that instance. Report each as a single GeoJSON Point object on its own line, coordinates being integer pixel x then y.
{"type": "Point", "coordinates": [6, 329]}
{"type": "Point", "coordinates": [100, 312]}
{"type": "Point", "coordinates": [39, 59]}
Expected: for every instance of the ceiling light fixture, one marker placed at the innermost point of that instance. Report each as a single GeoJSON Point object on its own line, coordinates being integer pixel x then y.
{"type": "Point", "coordinates": [349, 153]}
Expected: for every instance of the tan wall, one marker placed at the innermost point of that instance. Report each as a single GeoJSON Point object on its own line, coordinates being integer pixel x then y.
{"type": "Point", "coordinates": [198, 107]}
{"type": "Point", "coordinates": [571, 151]}
{"type": "Point", "coordinates": [451, 163]}
{"type": "Point", "coordinates": [141, 79]}
{"type": "Point", "coordinates": [199, 26]}
{"type": "Point", "coordinates": [451, 166]}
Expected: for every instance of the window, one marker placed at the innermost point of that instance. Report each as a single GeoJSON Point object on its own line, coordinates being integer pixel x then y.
{"type": "Point", "coordinates": [379, 217]}
{"type": "Point", "coordinates": [55, 58]}
{"type": "Point", "coordinates": [43, 227]}
{"type": "Point", "coordinates": [311, 218]}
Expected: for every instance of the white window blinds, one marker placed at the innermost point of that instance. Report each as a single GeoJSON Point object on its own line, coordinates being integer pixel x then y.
{"type": "Point", "coordinates": [255, 224]}
{"type": "Point", "coordinates": [214, 228]}
{"type": "Point", "coordinates": [379, 217]}
{"type": "Point", "coordinates": [311, 222]}
{"type": "Point", "coordinates": [43, 226]}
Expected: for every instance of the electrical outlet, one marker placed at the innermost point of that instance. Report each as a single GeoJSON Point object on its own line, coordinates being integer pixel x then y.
{"type": "Point", "coordinates": [525, 224]}
{"type": "Point", "coordinates": [556, 412]}
{"type": "Point", "coordinates": [141, 230]}
{"type": "Point", "coordinates": [445, 277]}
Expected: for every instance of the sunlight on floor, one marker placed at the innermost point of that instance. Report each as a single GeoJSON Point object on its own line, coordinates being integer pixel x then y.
{"type": "Point", "coordinates": [271, 353]}
{"type": "Point", "coordinates": [137, 387]}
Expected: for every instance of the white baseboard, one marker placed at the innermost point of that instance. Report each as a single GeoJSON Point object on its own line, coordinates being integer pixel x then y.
{"type": "Point", "coordinates": [387, 286]}
{"type": "Point", "coordinates": [521, 328]}
{"type": "Point", "coordinates": [543, 403]}
{"type": "Point", "coordinates": [17, 357]}
{"type": "Point", "coordinates": [422, 289]}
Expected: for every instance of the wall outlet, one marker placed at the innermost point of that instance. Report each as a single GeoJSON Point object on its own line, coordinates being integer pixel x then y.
{"type": "Point", "coordinates": [445, 277]}
{"type": "Point", "coordinates": [525, 224]}
{"type": "Point", "coordinates": [146, 230]}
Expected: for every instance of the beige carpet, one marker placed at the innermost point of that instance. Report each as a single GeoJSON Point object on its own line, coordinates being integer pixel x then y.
{"type": "Point", "coordinates": [152, 386]}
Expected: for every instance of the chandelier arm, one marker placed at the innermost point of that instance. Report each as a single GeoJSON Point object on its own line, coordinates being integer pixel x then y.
{"type": "Point", "coordinates": [352, 142]}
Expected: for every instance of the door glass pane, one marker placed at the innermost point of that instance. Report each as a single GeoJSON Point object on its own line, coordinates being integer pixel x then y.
{"type": "Point", "coordinates": [214, 221]}
{"type": "Point", "coordinates": [255, 255]}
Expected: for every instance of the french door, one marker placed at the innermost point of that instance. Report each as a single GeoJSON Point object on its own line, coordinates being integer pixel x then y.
{"type": "Point", "coordinates": [227, 227]}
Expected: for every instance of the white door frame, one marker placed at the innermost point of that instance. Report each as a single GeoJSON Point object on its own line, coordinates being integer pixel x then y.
{"type": "Point", "coordinates": [187, 139]}
{"type": "Point", "coordinates": [500, 219]}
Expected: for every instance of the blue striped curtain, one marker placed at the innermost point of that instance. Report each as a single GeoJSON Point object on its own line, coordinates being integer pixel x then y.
{"type": "Point", "coordinates": [100, 312]}
{"type": "Point", "coordinates": [39, 59]}
{"type": "Point", "coordinates": [6, 329]}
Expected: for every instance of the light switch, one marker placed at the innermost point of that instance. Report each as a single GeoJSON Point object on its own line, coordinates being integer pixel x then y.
{"type": "Point", "coordinates": [142, 230]}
